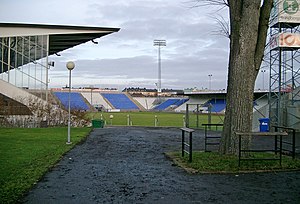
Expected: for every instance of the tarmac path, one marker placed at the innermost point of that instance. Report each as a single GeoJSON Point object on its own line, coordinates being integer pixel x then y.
{"type": "Point", "coordinates": [127, 165]}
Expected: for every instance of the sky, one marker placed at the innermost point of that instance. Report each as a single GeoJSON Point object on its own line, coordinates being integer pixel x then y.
{"type": "Point", "coordinates": [195, 49]}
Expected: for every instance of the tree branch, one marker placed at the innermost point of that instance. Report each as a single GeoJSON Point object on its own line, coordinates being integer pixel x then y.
{"type": "Point", "coordinates": [224, 27]}
{"type": "Point", "coordinates": [263, 26]}
{"type": "Point", "coordinates": [200, 3]}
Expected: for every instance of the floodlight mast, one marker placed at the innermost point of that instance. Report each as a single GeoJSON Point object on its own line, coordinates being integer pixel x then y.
{"type": "Point", "coordinates": [209, 85]}
{"type": "Point", "coordinates": [159, 43]}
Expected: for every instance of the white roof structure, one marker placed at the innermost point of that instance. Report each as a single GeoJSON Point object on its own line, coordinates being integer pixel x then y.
{"type": "Point", "coordinates": [61, 37]}
{"type": "Point", "coordinates": [24, 50]}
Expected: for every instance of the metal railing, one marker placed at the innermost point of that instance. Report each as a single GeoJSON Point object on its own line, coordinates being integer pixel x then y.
{"type": "Point", "coordinates": [291, 143]}
{"type": "Point", "coordinates": [264, 134]}
{"type": "Point", "coordinates": [184, 144]}
{"type": "Point", "coordinates": [211, 140]}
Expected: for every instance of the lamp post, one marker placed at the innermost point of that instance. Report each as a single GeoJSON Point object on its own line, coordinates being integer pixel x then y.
{"type": "Point", "coordinates": [209, 84]}
{"type": "Point", "coordinates": [159, 43]}
{"type": "Point", "coordinates": [263, 71]}
{"type": "Point", "coordinates": [92, 87]}
{"type": "Point", "coordinates": [70, 66]}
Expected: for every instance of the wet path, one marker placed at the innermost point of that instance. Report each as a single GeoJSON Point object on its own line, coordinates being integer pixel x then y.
{"type": "Point", "coordinates": [127, 165]}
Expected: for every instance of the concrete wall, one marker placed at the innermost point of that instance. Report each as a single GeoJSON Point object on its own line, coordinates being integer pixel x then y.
{"type": "Point", "coordinates": [18, 94]}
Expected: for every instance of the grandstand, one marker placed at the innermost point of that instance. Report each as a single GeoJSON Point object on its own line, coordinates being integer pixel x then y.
{"type": "Point", "coordinates": [120, 101]}
{"type": "Point", "coordinates": [77, 102]}
{"type": "Point", "coordinates": [217, 105]}
{"type": "Point", "coordinates": [170, 104]}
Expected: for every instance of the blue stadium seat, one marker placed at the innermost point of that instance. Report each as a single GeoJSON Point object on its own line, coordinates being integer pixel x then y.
{"type": "Point", "coordinates": [181, 101]}
{"type": "Point", "coordinates": [120, 101]}
{"type": "Point", "coordinates": [167, 103]}
{"type": "Point", "coordinates": [218, 105]}
{"type": "Point", "coordinates": [76, 100]}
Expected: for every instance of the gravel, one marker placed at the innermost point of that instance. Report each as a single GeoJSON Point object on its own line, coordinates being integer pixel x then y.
{"type": "Point", "coordinates": [128, 165]}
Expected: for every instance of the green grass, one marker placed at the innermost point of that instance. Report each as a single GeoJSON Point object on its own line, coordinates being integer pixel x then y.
{"type": "Point", "coordinates": [147, 118]}
{"type": "Point", "coordinates": [27, 154]}
{"type": "Point", "coordinates": [212, 162]}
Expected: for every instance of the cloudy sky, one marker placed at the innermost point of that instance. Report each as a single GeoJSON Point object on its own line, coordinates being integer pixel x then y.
{"type": "Point", "coordinates": [128, 58]}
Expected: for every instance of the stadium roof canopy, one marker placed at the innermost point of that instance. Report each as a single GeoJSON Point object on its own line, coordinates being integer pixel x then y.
{"type": "Point", "coordinates": [61, 37]}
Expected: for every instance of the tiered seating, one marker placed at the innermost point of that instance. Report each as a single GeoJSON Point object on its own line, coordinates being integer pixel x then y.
{"type": "Point", "coordinates": [218, 105]}
{"type": "Point", "coordinates": [76, 100]}
{"type": "Point", "coordinates": [120, 101]}
{"type": "Point", "coordinates": [166, 104]}
{"type": "Point", "coordinates": [181, 101]}
{"type": "Point", "coordinates": [171, 102]}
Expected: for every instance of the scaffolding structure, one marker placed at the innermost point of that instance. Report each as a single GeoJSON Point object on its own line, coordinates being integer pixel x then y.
{"type": "Point", "coordinates": [284, 64]}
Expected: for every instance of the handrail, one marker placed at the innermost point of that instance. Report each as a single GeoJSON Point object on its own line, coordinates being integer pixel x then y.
{"type": "Point", "coordinates": [293, 143]}
{"type": "Point", "coordinates": [206, 138]}
{"type": "Point", "coordinates": [190, 144]}
{"type": "Point", "coordinates": [276, 149]}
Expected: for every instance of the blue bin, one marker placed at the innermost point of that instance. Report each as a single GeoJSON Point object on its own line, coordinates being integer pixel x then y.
{"type": "Point", "coordinates": [264, 124]}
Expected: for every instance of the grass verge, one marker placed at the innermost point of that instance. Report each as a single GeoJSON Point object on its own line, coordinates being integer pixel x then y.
{"type": "Point", "coordinates": [212, 162]}
{"type": "Point", "coordinates": [27, 154]}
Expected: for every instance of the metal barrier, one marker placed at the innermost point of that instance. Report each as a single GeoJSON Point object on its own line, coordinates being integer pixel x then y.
{"type": "Point", "coordinates": [276, 149]}
{"type": "Point", "coordinates": [292, 143]}
{"type": "Point", "coordinates": [206, 138]}
{"type": "Point", "coordinates": [190, 144]}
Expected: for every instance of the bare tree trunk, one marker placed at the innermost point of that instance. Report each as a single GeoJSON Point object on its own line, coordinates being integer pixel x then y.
{"type": "Point", "coordinates": [248, 31]}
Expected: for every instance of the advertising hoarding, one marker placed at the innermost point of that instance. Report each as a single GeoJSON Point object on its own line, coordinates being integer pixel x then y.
{"type": "Point", "coordinates": [285, 11]}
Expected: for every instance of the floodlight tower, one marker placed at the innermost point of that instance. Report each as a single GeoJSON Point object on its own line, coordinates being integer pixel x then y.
{"type": "Point", "coordinates": [209, 87]}
{"type": "Point", "coordinates": [159, 43]}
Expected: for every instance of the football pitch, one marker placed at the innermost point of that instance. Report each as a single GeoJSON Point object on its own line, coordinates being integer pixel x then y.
{"type": "Point", "coordinates": [152, 119]}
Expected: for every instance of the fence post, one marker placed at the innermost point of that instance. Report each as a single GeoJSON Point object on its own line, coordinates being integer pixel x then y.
{"type": "Point", "coordinates": [240, 146]}
{"type": "Point", "coordinates": [187, 116]}
{"type": "Point", "coordinates": [205, 137]}
{"type": "Point", "coordinates": [182, 143]}
{"type": "Point", "coordinates": [276, 139]}
{"type": "Point", "coordinates": [111, 119]}
{"type": "Point", "coordinates": [294, 143]}
{"type": "Point", "coordinates": [209, 115]}
{"type": "Point", "coordinates": [191, 148]}
{"type": "Point", "coordinates": [197, 116]}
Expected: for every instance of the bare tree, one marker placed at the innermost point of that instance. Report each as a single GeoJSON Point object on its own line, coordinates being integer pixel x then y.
{"type": "Point", "coordinates": [249, 21]}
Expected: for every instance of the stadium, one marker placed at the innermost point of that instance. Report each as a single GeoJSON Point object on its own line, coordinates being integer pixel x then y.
{"type": "Point", "coordinates": [119, 163]}
{"type": "Point", "coordinates": [26, 99]}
